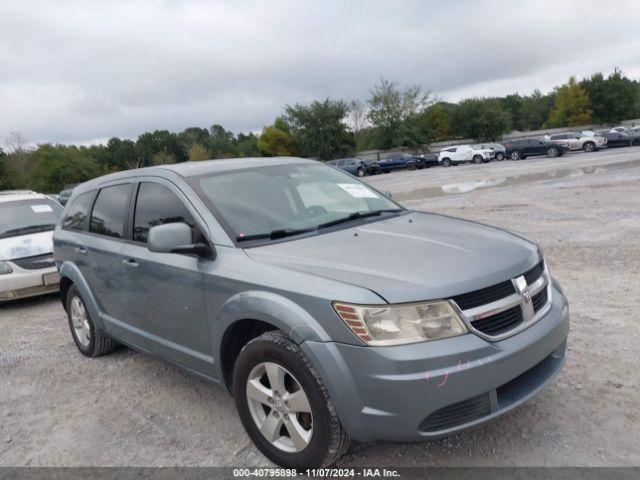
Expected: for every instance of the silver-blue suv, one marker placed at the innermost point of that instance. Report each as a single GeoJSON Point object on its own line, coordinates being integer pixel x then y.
{"type": "Point", "coordinates": [329, 311]}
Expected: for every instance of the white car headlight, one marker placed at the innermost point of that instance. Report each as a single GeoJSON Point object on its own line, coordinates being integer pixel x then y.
{"type": "Point", "coordinates": [5, 268]}
{"type": "Point", "coordinates": [380, 325]}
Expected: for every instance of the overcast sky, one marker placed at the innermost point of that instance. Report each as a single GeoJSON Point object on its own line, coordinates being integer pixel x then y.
{"type": "Point", "coordinates": [84, 71]}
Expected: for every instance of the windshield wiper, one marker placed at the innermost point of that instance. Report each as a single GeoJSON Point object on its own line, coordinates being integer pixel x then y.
{"type": "Point", "coordinates": [358, 215]}
{"type": "Point", "coordinates": [275, 234]}
{"type": "Point", "coordinates": [30, 228]}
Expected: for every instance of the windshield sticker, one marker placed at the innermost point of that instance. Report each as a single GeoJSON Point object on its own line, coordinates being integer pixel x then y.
{"type": "Point", "coordinates": [358, 191]}
{"type": "Point", "coordinates": [41, 208]}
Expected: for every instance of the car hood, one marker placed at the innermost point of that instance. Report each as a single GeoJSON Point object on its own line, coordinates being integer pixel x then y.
{"type": "Point", "coordinates": [26, 245]}
{"type": "Point", "coordinates": [410, 257]}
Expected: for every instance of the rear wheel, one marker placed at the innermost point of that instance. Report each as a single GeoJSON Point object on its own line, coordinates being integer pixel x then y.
{"type": "Point", "coordinates": [446, 162]}
{"type": "Point", "coordinates": [552, 152]}
{"type": "Point", "coordinates": [411, 166]}
{"type": "Point", "coordinates": [477, 159]}
{"type": "Point", "coordinates": [499, 156]}
{"type": "Point", "coordinates": [89, 341]}
{"type": "Point", "coordinates": [284, 405]}
{"type": "Point", "coordinates": [515, 155]}
{"type": "Point", "coordinates": [361, 172]}
{"type": "Point", "coordinates": [589, 147]}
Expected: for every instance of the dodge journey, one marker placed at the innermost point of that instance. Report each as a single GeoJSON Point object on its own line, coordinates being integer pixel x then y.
{"type": "Point", "coordinates": [329, 311]}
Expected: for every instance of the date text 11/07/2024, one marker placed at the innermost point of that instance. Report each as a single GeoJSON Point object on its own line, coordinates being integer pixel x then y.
{"type": "Point", "coordinates": [316, 472]}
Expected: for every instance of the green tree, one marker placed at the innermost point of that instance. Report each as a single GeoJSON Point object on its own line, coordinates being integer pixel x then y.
{"type": "Point", "coordinates": [197, 152]}
{"type": "Point", "coordinates": [275, 142]}
{"type": "Point", "coordinates": [247, 145]}
{"type": "Point", "coordinates": [481, 118]}
{"type": "Point", "coordinates": [535, 110]}
{"type": "Point", "coordinates": [319, 129]}
{"type": "Point", "coordinates": [394, 112]}
{"type": "Point", "coordinates": [56, 166]}
{"type": "Point", "coordinates": [437, 121]}
{"type": "Point", "coordinates": [159, 142]}
{"type": "Point", "coordinates": [122, 154]}
{"type": "Point", "coordinates": [512, 104]}
{"type": "Point", "coordinates": [613, 98]}
{"type": "Point", "coordinates": [571, 107]}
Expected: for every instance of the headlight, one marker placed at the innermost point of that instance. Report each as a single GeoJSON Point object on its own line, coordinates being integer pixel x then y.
{"type": "Point", "coordinates": [379, 325]}
{"type": "Point", "coordinates": [5, 267]}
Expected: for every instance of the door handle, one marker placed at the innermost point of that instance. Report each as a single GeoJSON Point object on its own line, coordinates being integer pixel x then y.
{"type": "Point", "coordinates": [81, 250]}
{"type": "Point", "coordinates": [130, 262]}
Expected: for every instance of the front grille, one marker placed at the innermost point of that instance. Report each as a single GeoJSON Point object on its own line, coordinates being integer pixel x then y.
{"type": "Point", "coordinates": [533, 274]}
{"type": "Point", "coordinates": [36, 262]}
{"type": "Point", "coordinates": [457, 414]}
{"type": "Point", "coordinates": [539, 300]}
{"type": "Point", "coordinates": [500, 322]}
{"type": "Point", "coordinates": [484, 295]}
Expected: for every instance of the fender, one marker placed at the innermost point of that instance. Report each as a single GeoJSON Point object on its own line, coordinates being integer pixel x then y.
{"type": "Point", "coordinates": [268, 307]}
{"type": "Point", "coordinates": [72, 272]}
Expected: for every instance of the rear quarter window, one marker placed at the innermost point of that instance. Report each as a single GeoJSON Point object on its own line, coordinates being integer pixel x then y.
{"type": "Point", "coordinates": [77, 216]}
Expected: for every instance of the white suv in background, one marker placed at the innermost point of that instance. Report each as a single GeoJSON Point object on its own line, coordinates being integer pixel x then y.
{"type": "Point", "coordinates": [27, 266]}
{"type": "Point", "coordinates": [579, 141]}
{"type": "Point", "coordinates": [463, 154]}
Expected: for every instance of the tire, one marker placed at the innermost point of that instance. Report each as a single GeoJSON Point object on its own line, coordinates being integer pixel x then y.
{"type": "Point", "coordinates": [515, 155]}
{"type": "Point", "coordinates": [477, 159]}
{"type": "Point", "coordinates": [411, 166]}
{"type": "Point", "coordinates": [589, 147]}
{"type": "Point", "coordinates": [446, 162]}
{"type": "Point", "coordinates": [89, 341]}
{"type": "Point", "coordinates": [552, 152]}
{"type": "Point", "coordinates": [361, 172]}
{"type": "Point", "coordinates": [275, 352]}
{"type": "Point", "coordinates": [499, 156]}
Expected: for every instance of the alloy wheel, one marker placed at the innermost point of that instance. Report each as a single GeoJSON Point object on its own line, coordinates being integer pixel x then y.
{"type": "Point", "coordinates": [279, 407]}
{"type": "Point", "coordinates": [80, 322]}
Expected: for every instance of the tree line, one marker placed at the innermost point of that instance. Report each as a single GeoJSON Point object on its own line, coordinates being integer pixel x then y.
{"type": "Point", "coordinates": [394, 115]}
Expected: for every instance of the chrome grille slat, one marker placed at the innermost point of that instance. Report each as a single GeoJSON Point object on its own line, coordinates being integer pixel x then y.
{"type": "Point", "coordinates": [506, 316]}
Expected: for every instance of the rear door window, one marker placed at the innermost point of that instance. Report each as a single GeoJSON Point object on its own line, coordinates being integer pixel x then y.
{"type": "Point", "coordinates": [77, 215]}
{"type": "Point", "coordinates": [157, 205]}
{"type": "Point", "coordinates": [110, 211]}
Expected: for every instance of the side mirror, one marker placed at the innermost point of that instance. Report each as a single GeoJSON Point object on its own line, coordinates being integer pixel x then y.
{"type": "Point", "coordinates": [177, 238]}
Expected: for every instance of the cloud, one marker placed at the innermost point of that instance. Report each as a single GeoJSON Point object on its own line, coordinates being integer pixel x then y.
{"type": "Point", "coordinates": [77, 71]}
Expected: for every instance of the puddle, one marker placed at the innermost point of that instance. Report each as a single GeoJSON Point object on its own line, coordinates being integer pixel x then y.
{"type": "Point", "coordinates": [469, 186]}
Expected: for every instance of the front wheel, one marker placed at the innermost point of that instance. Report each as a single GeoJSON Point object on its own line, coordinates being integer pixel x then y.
{"type": "Point", "coordinates": [284, 405]}
{"type": "Point", "coordinates": [552, 152]}
{"type": "Point", "coordinates": [361, 172]}
{"type": "Point", "coordinates": [477, 159]}
{"type": "Point", "coordinates": [515, 155]}
{"type": "Point", "coordinates": [446, 162]}
{"type": "Point", "coordinates": [499, 156]}
{"type": "Point", "coordinates": [589, 147]}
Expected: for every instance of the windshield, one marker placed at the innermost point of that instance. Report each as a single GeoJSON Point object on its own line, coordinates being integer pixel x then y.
{"type": "Point", "coordinates": [281, 200]}
{"type": "Point", "coordinates": [23, 217]}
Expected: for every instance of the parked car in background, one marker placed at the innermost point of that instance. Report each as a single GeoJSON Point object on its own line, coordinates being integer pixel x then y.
{"type": "Point", "coordinates": [499, 152]}
{"type": "Point", "coordinates": [529, 147]}
{"type": "Point", "coordinates": [635, 131]}
{"type": "Point", "coordinates": [27, 266]}
{"type": "Point", "coordinates": [265, 276]}
{"type": "Point", "coordinates": [399, 161]}
{"type": "Point", "coordinates": [427, 160]}
{"type": "Point", "coordinates": [463, 154]}
{"type": "Point", "coordinates": [64, 195]}
{"type": "Point", "coordinates": [354, 166]}
{"type": "Point", "coordinates": [619, 129]}
{"type": "Point", "coordinates": [578, 141]}
{"type": "Point", "coordinates": [373, 166]}
{"type": "Point", "coordinates": [621, 139]}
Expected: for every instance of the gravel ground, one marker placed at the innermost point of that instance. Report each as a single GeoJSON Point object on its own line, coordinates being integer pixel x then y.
{"type": "Point", "coordinates": [58, 408]}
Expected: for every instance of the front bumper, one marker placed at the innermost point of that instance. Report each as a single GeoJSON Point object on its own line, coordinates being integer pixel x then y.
{"type": "Point", "coordinates": [433, 389]}
{"type": "Point", "coordinates": [23, 283]}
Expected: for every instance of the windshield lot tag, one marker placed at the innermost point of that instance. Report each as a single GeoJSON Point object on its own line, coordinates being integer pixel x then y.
{"type": "Point", "coordinates": [357, 191]}
{"type": "Point", "coordinates": [41, 208]}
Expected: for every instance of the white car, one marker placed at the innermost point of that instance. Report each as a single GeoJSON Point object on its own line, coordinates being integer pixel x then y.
{"type": "Point", "coordinates": [27, 266]}
{"type": "Point", "coordinates": [463, 154]}
{"type": "Point", "coordinates": [619, 129]}
{"type": "Point", "coordinates": [579, 141]}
